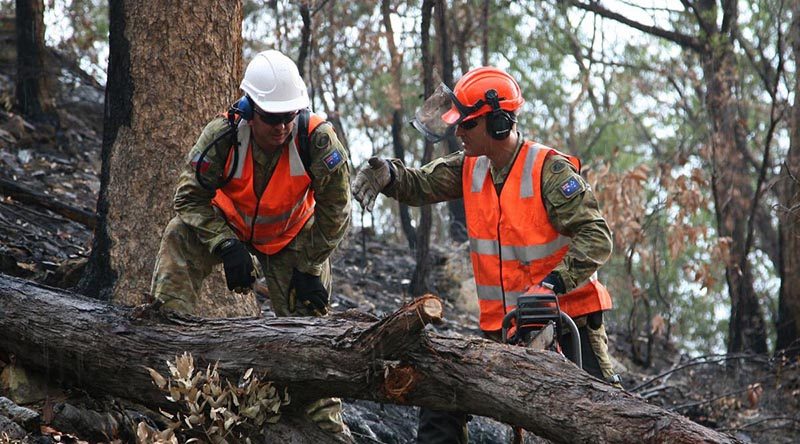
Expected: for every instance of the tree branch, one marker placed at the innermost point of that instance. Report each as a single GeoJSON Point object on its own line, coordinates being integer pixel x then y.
{"type": "Point", "coordinates": [683, 40]}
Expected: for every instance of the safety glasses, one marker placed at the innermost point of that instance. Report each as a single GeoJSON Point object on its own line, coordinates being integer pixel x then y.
{"type": "Point", "coordinates": [276, 118]}
{"type": "Point", "coordinates": [469, 124]}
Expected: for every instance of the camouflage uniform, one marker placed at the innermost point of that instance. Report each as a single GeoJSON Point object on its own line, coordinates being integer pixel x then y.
{"type": "Point", "coordinates": [578, 217]}
{"type": "Point", "coordinates": [185, 257]}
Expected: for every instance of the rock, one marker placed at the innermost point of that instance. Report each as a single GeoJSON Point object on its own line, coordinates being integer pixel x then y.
{"type": "Point", "coordinates": [21, 387]}
{"type": "Point", "coordinates": [11, 429]}
{"type": "Point", "coordinates": [25, 417]}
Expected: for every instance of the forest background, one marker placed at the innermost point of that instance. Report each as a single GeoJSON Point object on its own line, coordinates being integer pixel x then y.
{"type": "Point", "coordinates": [684, 113]}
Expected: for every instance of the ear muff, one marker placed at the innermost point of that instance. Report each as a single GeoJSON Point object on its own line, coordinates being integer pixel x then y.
{"type": "Point", "coordinates": [498, 121]}
{"type": "Point", "coordinates": [243, 107]}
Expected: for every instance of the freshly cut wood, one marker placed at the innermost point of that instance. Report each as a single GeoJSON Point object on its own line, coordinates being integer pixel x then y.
{"type": "Point", "coordinates": [101, 348]}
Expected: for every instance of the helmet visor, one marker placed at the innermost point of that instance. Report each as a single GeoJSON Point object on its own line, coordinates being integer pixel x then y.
{"type": "Point", "coordinates": [429, 119]}
{"type": "Point", "coordinates": [438, 117]}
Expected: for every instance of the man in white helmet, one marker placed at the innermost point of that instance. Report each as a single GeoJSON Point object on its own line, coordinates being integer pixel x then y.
{"type": "Point", "coordinates": [268, 180]}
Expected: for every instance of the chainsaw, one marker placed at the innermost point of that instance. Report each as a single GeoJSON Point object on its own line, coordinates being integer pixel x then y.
{"type": "Point", "coordinates": [538, 321]}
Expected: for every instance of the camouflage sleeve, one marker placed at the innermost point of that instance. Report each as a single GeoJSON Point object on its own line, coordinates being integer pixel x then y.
{"type": "Point", "coordinates": [192, 201]}
{"type": "Point", "coordinates": [573, 210]}
{"type": "Point", "coordinates": [331, 170]}
{"type": "Point", "coordinates": [438, 181]}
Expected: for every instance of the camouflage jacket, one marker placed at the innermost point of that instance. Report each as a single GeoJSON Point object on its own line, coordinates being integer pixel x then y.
{"type": "Point", "coordinates": [578, 217]}
{"type": "Point", "coordinates": [331, 187]}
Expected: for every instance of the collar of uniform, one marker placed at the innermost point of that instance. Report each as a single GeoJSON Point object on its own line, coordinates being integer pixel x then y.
{"type": "Point", "coordinates": [262, 157]}
{"type": "Point", "coordinates": [499, 176]}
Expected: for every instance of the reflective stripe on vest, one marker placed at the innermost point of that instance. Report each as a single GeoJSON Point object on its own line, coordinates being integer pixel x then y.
{"type": "Point", "coordinates": [286, 204]}
{"type": "Point", "coordinates": [512, 243]}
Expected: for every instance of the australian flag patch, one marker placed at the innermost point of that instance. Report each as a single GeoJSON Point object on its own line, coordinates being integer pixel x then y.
{"type": "Point", "coordinates": [203, 165]}
{"type": "Point", "coordinates": [571, 187]}
{"type": "Point", "coordinates": [333, 160]}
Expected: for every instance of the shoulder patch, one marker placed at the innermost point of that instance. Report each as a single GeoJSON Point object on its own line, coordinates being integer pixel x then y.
{"type": "Point", "coordinates": [571, 187]}
{"type": "Point", "coordinates": [558, 166]}
{"type": "Point", "coordinates": [333, 159]}
{"type": "Point", "coordinates": [323, 141]}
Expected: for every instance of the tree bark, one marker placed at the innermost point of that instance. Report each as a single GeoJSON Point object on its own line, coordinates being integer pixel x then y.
{"type": "Point", "coordinates": [33, 95]}
{"type": "Point", "coordinates": [788, 324]}
{"type": "Point", "coordinates": [169, 74]}
{"type": "Point", "coordinates": [99, 347]}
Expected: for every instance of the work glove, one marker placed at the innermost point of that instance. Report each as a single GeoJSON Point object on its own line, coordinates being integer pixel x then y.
{"type": "Point", "coordinates": [238, 264]}
{"type": "Point", "coordinates": [308, 289]}
{"type": "Point", "coordinates": [554, 282]}
{"type": "Point", "coordinates": [371, 180]}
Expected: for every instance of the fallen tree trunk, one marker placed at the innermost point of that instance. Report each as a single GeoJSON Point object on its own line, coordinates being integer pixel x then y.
{"type": "Point", "coordinates": [100, 348]}
{"type": "Point", "coordinates": [12, 189]}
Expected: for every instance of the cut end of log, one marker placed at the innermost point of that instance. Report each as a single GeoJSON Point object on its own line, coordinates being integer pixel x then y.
{"type": "Point", "coordinates": [430, 308]}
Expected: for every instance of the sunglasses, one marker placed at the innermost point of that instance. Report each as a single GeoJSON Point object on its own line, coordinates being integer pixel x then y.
{"type": "Point", "coordinates": [276, 118]}
{"type": "Point", "coordinates": [469, 124]}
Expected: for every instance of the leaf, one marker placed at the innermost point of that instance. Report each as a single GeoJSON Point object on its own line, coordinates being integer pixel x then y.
{"type": "Point", "coordinates": [248, 373]}
{"type": "Point", "coordinates": [143, 432]}
{"type": "Point", "coordinates": [754, 392]}
{"type": "Point", "coordinates": [157, 378]}
{"type": "Point", "coordinates": [659, 325]}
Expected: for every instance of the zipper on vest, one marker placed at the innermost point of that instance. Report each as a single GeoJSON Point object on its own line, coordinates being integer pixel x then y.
{"type": "Point", "coordinates": [500, 254]}
{"type": "Point", "coordinates": [258, 200]}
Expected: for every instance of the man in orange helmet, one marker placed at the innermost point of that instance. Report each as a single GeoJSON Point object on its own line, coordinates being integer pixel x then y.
{"type": "Point", "coordinates": [534, 224]}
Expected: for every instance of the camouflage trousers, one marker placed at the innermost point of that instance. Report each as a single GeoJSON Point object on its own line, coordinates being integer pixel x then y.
{"type": "Point", "coordinates": [182, 264]}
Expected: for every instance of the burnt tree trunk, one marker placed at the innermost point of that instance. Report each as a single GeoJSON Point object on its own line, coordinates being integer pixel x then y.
{"type": "Point", "coordinates": [788, 324]}
{"type": "Point", "coordinates": [732, 188]}
{"type": "Point", "coordinates": [420, 281]}
{"type": "Point", "coordinates": [90, 343]}
{"type": "Point", "coordinates": [458, 217]}
{"type": "Point", "coordinates": [33, 95]}
{"type": "Point", "coordinates": [169, 74]}
{"type": "Point", "coordinates": [396, 99]}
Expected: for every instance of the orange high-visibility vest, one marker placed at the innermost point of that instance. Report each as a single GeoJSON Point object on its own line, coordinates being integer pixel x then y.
{"type": "Point", "coordinates": [272, 221]}
{"type": "Point", "coordinates": [512, 243]}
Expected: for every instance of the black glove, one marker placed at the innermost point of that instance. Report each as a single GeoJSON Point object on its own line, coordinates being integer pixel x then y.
{"type": "Point", "coordinates": [239, 272]}
{"type": "Point", "coordinates": [310, 291]}
{"type": "Point", "coordinates": [554, 282]}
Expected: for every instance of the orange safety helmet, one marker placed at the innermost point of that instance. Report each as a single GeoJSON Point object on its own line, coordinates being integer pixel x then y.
{"type": "Point", "coordinates": [470, 99]}
{"type": "Point", "coordinates": [477, 93]}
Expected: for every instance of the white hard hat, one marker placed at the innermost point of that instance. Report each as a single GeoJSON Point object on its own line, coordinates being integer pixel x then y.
{"type": "Point", "coordinates": [274, 84]}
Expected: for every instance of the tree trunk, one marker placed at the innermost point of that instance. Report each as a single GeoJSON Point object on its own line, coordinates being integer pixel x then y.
{"type": "Point", "coordinates": [788, 324]}
{"type": "Point", "coordinates": [396, 100]}
{"type": "Point", "coordinates": [33, 95]}
{"type": "Point", "coordinates": [732, 190]}
{"type": "Point", "coordinates": [458, 217]}
{"type": "Point", "coordinates": [169, 73]}
{"type": "Point", "coordinates": [90, 344]}
{"type": "Point", "coordinates": [420, 281]}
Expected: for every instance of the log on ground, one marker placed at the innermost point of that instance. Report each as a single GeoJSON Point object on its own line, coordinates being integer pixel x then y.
{"type": "Point", "coordinates": [101, 348]}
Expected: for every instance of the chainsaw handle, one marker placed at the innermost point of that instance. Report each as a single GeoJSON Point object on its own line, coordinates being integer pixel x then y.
{"type": "Point", "coordinates": [576, 339]}
{"type": "Point", "coordinates": [506, 324]}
